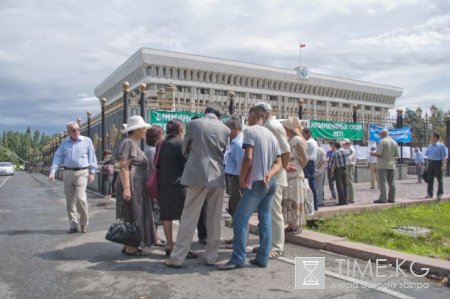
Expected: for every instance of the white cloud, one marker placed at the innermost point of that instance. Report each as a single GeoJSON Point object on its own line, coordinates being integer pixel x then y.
{"type": "Point", "coordinates": [54, 53]}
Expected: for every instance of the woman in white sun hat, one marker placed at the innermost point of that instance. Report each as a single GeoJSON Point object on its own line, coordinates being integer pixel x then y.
{"type": "Point", "coordinates": [133, 172]}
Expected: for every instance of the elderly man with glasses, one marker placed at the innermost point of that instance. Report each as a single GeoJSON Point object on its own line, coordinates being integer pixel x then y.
{"type": "Point", "coordinates": [76, 153]}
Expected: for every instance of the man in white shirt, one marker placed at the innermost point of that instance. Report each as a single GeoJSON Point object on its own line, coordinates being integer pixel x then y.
{"type": "Point", "coordinates": [311, 153]}
{"type": "Point", "coordinates": [350, 169]}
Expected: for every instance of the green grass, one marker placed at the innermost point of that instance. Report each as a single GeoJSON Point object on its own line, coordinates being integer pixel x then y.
{"type": "Point", "coordinates": [377, 228]}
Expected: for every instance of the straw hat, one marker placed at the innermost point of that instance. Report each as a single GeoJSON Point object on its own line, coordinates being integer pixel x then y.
{"type": "Point", "coordinates": [135, 122]}
{"type": "Point", "coordinates": [293, 124]}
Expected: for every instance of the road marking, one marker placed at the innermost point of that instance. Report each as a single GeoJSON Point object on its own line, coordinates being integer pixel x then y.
{"type": "Point", "coordinates": [367, 285]}
{"type": "Point", "coordinates": [4, 182]}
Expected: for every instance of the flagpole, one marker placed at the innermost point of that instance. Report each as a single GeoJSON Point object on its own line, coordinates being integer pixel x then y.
{"type": "Point", "coordinates": [300, 56]}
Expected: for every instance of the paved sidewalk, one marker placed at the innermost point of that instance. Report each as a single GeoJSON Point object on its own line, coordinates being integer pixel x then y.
{"type": "Point", "coordinates": [408, 192]}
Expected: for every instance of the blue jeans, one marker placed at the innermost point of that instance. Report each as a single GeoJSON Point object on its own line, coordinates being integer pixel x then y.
{"type": "Point", "coordinates": [256, 198]}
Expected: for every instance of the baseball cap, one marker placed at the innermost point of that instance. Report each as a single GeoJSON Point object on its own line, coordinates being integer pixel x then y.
{"type": "Point", "coordinates": [264, 105]}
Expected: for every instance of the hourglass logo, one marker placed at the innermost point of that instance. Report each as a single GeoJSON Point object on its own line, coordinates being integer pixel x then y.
{"type": "Point", "coordinates": [310, 273]}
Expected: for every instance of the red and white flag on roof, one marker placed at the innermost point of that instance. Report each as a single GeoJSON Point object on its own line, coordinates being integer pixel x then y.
{"type": "Point", "coordinates": [302, 45]}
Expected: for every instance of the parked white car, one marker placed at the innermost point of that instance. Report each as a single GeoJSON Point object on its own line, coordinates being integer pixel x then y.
{"type": "Point", "coordinates": [6, 168]}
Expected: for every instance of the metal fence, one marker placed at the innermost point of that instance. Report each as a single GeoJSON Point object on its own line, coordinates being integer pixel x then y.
{"type": "Point", "coordinates": [421, 127]}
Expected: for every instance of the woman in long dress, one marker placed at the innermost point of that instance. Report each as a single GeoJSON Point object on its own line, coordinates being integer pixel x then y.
{"type": "Point", "coordinates": [293, 201]}
{"type": "Point", "coordinates": [153, 137]}
{"type": "Point", "coordinates": [133, 172]}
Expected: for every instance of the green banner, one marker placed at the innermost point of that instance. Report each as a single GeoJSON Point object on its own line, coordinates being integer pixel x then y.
{"type": "Point", "coordinates": [160, 118]}
{"type": "Point", "coordinates": [336, 129]}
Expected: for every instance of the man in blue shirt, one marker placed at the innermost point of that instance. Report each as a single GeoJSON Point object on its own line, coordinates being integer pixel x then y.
{"type": "Point", "coordinates": [437, 159]}
{"type": "Point", "coordinates": [233, 163]}
{"type": "Point", "coordinates": [77, 155]}
{"type": "Point", "coordinates": [419, 164]}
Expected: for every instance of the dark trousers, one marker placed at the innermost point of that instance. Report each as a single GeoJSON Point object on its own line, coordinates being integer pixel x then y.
{"type": "Point", "coordinates": [201, 225]}
{"type": "Point", "coordinates": [107, 184]}
{"type": "Point", "coordinates": [435, 171]}
{"type": "Point", "coordinates": [309, 174]}
{"type": "Point", "coordinates": [113, 183]}
{"type": "Point", "coordinates": [234, 191]}
{"type": "Point", "coordinates": [340, 176]}
{"type": "Point", "coordinates": [331, 183]}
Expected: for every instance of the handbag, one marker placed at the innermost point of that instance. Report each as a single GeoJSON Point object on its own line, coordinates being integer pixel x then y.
{"type": "Point", "coordinates": [124, 233]}
{"type": "Point", "coordinates": [151, 185]}
{"type": "Point", "coordinates": [108, 169]}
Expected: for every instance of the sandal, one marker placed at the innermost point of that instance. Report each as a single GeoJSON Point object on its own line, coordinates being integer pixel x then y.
{"type": "Point", "coordinates": [275, 254]}
{"type": "Point", "coordinates": [255, 249]}
{"type": "Point", "coordinates": [138, 252]}
{"type": "Point", "coordinates": [192, 255]}
{"type": "Point", "coordinates": [161, 243]}
{"type": "Point", "coordinates": [294, 230]}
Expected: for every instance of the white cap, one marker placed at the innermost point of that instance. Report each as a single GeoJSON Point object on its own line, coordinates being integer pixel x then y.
{"type": "Point", "coordinates": [264, 105]}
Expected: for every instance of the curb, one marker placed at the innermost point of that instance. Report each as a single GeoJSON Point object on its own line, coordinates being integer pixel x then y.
{"type": "Point", "coordinates": [352, 209]}
{"type": "Point", "coordinates": [339, 245]}
{"type": "Point", "coordinates": [368, 252]}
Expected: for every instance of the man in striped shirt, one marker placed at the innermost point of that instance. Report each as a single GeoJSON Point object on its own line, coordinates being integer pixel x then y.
{"type": "Point", "coordinates": [339, 172]}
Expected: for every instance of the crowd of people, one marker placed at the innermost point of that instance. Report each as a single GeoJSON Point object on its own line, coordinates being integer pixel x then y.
{"type": "Point", "coordinates": [273, 167]}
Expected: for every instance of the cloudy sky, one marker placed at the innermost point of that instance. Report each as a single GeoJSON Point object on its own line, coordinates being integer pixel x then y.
{"type": "Point", "coordinates": [54, 53]}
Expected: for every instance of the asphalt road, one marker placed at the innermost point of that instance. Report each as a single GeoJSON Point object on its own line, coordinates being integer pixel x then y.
{"type": "Point", "coordinates": [39, 260]}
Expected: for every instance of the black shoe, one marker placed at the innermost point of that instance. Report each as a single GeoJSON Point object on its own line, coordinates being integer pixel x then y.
{"type": "Point", "coordinates": [378, 201]}
{"type": "Point", "coordinates": [229, 266]}
{"type": "Point", "coordinates": [439, 197]}
{"type": "Point", "coordinates": [341, 204]}
{"type": "Point", "coordinates": [429, 196]}
{"type": "Point", "coordinates": [202, 241]}
{"type": "Point", "coordinates": [254, 262]}
{"type": "Point", "coordinates": [72, 230]}
{"type": "Point", "coordinates": [391, 201]}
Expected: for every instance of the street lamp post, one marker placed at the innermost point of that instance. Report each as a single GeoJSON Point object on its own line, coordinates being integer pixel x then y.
{"type": "Point", "coordinates": [231, 107]}
{"type": "Point", "coordinates": [89, 113]}
{"type": "Point", "coordinates": [448, 143]}
{"type": "Point", "coordinates": [355, 119]}
{"type": "Point", "coordinates": [171, 89]}
{"type": "Point", "coordinates": [300, 103]}
{"type": "Point", "coordinates": [102, 104]}
{"type": "Point", "coordinates": [125, 89]}
{"type": "Point", "coordinates": [419, 118]}
{"type": "Point", "coordinates": [399, 125]}
{"type": "Point", "coordinates": [433, 111]}
{"type": "Point", "coordinates": [355, 116]}
{"type": "Point", "coordinates": [142, 89]}
{"type": "Point", "coordinates": [161, 95]}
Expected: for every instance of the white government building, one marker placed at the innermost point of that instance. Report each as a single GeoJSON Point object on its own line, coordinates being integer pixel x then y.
{"type": "Point", "coordinates": [199, 80]}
